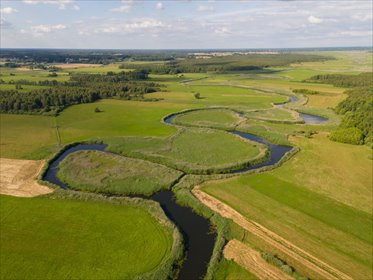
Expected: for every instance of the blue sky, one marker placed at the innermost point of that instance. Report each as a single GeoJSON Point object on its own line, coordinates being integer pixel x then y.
{"type": "Point", "coordinates": [184, 24]}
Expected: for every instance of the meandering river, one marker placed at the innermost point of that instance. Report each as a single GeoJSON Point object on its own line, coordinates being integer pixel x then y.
{"type": "Point", "coordinates": [198, 238]}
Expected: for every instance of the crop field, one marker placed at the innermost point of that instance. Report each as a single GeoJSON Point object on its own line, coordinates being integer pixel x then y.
{"type": "Point", "coordinates": [45, 238]}
{"type": "Point", "coordinates": [95, 171]}
{"type": "Point", "coordinates": [320, 200]}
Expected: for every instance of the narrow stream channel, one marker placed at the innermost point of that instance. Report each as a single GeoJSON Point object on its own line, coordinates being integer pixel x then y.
{"type": "Point", "coordinates": [198, 238]}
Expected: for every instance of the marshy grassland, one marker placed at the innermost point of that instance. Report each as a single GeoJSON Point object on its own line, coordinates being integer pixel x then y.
{"type": "Point", "coordinates": [320, 199]}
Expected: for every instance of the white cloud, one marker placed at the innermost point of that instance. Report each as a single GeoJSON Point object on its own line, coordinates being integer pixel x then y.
{"type": "Point", "coordinates": [314, 20]}
{"type": "Point", "coordinates": [222, 31]}
{"type": "Point", "coordinates": [38, 30]}
{"type": "Point", "coordinates": [159, 6]}
{"type": "Point", "coordinates": [204, 8]}
{"type": "Point", "coordinates": [75, 8]}
{"type": "Point", "coordinates": [60, 3]}
{"type": "Point", "coordinates": [149, 24]}
{"type": "Point", "coordinates": [8, 10]}
{"type": "Point", "coordinates": [122, 9]}
{"type": "Point", "coordinates": [4, 23]}
{"type": "Point", "coordinates": [357, 33]}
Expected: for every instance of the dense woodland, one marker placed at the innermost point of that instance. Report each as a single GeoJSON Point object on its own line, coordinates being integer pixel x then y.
{"type": "Point", "coordinates": [349, 81]}
{"type": "Point", "coordinates": [357, 108]}
{"type": "Point", "coordinates": [82, 88]}
{"type": "Point", "coordinates": [256, 62]}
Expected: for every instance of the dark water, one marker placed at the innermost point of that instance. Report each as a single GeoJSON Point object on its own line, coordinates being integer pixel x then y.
{"type": "Point", "coordinates": [199, 239]}
{"type": "Point", "coordinates": [169, 118]}
{"type": "Point", "coordinates": [276, 151]}
{"type": "Point", "coordinates": [310, 119]}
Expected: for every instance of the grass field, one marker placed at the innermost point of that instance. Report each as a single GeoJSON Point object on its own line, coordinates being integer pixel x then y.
{"type": "Point", "coordinates": [274, 115]}
{"type": "Point", "coordinates": [320, 200]}
{"type": "Point", "coordinates": [220, 118]}
{"type": "Point", "coordinates": [69, 239]}
{"type": "Point", "coordinates": [192, 149]}
{"type": "Point", "coordinates": [229, 270]}
{"type": "Point", "coordinates": [27, 137]}
{"type": "Point", "coordinates": [95, 171]}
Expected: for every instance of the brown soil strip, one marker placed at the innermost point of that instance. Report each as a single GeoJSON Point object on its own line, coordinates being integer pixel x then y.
{"type": "Point", "coordinates": [316, 265]}
{"type": "Point", "coordinates": [18, 177]}
{"type": "Point", "coordinates": [253, 262]}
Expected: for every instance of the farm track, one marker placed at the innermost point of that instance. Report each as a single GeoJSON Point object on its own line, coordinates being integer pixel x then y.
{"type": "Point", "coordinates": [324, 270]}
{"type": "Point", "coordinates": [252, 261]}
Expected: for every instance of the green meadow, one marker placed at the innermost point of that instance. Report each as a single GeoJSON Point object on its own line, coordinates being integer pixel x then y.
{"type": "Point", "coordinates": [45, 238]}
{"type": "Point", "coordinates": [194, 150]}
{"type": "Point", "coordinates": [320, 199]}
{"type": "Point", "coordinates": [94, 171]}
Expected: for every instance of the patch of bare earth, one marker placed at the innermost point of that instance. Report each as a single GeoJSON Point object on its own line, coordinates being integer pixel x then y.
{"type": "Point", "coordinates": [319, 267]}
{"type": "Point", "coordinates": [18, 177]}
{"type": "Point", "coordinates": [252, 261]}
{"type": "Point", "coordinates": [76, 65]}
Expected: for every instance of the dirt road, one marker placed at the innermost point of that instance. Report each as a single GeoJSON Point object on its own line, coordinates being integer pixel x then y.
{"type": "Point", "coordinates": [253, 262]}
{"type": "Point", "coordinates": [314, 264]}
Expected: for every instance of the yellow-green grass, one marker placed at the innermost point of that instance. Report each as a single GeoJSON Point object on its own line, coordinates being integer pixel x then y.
{"type": "Point", "coordinates": [234, 96]}
{"type": "Point", "coordinates": [118, 118]}
{"type": "Point", "coordinates": [275, 114]}
{"type": "Point", "coordinates": [347, 62]}
{"type": "Point", "coordinates": [192, 149]}
{"type": "Point", "coordinates": [229, 270]}
{"type": "Point", "coordinates": [340, 171]}
{"type": "Point", "coordinates": [45, 238]}
{"type": "Point", "coordinates": [221, 118]}
{"type": "Point", "coordinates": [28, 137]}
{"type": "Point", "coordinates": [102, 69]}
{"type": "Point", "coordinates": [30, 75]}
{"type": "Point", "coordinates": [95, 171]}
{"type": "Point", "coordinates": [337, 234]}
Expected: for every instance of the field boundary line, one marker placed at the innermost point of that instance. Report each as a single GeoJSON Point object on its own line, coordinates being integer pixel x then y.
{"type": "Point", "coordinates": [251, 260]}
{"type": "Point", "coordinates": [311, 262]}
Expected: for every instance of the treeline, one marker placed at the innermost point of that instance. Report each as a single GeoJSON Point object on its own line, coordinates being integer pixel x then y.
{"type": "Point", "coordinates": [362, 80]}
{"type": "Point", "coordinates": [357, 121]}
{"type": "Point", "coordinates": [248, 62]}
{"type": "Point", "coordinates": [82, 88]}
{"type": "Point", "coordinates": [110, 77]}
{"type": "Point", "coordinates": [356, 109]}
{"type": "Point", "coordinates": [305, 91]}
{"type": "Point", "coordinates": [53, 100]}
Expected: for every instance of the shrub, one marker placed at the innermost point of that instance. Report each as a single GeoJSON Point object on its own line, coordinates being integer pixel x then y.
{"type": "Point", "coordinates": [351, 135]}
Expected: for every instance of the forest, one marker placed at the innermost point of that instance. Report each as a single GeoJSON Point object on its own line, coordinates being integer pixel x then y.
{"type": "Point", "coordinates": [82, 88]}
{"type": "Point", "coordinates": [356, 109]}
{"type": "Point", "coordinates": [250, 62]}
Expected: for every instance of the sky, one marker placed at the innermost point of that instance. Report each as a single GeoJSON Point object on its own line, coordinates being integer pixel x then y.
{"type": "Point", "coordinates": [185, 24]}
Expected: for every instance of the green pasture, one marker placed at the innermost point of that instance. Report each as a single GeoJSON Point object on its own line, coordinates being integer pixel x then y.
{"type": "Point", "coordinates": [229, 270]}
{"type": "Point", "coordinates": [95, 171]}
{"type": "Point", "coordinates": [192, 149]}
{"type": "Point", "coordinates": [221, 118]}
{"type": "Point", "coordinates": [27, 136]}
{"type": "Point", "coordinates": [275, 114]}
{"type": "Point", "coordinates": [45, 238]}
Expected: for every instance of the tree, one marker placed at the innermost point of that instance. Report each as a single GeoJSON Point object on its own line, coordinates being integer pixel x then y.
{"type": "Point", "coordinates": [197, 95]}
{"type": "Point", "coordinates": [97, 110]}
